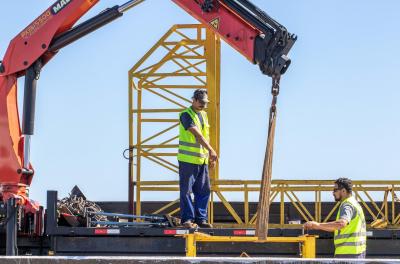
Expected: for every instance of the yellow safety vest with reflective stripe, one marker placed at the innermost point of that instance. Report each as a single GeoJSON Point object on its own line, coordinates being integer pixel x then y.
{"type": "Point", "coordinates": [352, 239]}
{"type": "Point", "coordinates": [189, 149]}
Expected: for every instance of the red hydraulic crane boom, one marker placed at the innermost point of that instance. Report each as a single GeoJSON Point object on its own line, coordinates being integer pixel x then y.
{"type": "Point", "coordinates": [241, 24]}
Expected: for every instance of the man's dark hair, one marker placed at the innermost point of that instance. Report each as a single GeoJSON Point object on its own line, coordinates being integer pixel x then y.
{"type": "Point", "coordinates": [199, 93]}
{"type": "Point", "coordinates": [345, 183]}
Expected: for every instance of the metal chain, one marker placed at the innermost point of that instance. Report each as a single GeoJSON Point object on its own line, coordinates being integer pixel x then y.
{"type": "Point", "coordinates": [276, 79]}
{"type": "Point", "coordinates": [78, 206]}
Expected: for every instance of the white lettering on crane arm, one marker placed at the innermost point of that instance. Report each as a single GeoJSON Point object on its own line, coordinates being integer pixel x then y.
{"type": "Point", "coordinates": [59, 5]}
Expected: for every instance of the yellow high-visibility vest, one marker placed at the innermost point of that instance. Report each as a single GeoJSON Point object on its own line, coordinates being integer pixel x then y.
{"type": "Point", "coordinates": [189, 149]}
{"type": "Point", "coordinates": [352, 239]}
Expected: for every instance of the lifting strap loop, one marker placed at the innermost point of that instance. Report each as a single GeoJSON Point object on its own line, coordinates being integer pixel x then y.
{"type": "Point", "coordinates": [265, 188]}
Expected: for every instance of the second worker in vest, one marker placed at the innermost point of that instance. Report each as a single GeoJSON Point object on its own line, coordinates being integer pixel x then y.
{"type": "Point", "coordinates": [195, 154]}
{"type": "Point", "coordinates": [349, 229]}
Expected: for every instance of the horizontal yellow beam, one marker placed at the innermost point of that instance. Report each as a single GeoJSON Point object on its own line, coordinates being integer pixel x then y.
{"type": "Point", "coordinates": [159, 182]}
{"type": "Point", "coordinates": [171, 110]}
{"type": "Point", "coordinates": [256, 189]}
{"type": "Point", "coordinates": [148, 86]}
{"type": "Point", "coordinates": [307, 182]}
{"type": "Point", "coordinates": [147, 154]}
{"type": "Point", "coordinates": [256, 183]}
{"type": "Point", "coordinates": [159, 120]}
{"type": "Point", "coordinates": [160, 146]}
{"type": "Point", "coordinates": [308, 242]}
{"type": "Point", "coordinates": [166, 189]}
{"type": "Point", "coordinates": [171, 74]}
{"type": "Point", "coordinates": [235, 189]}
{"type": "Point", "coordinates": [207, 238]}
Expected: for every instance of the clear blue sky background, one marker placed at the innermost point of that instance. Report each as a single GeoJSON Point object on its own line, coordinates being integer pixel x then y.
{"type": "Point", "coordinates": [338, 108]}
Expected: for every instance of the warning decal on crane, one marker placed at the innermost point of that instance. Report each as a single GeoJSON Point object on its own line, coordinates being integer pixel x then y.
{"type": "Point", "coordinates": [215, 23]}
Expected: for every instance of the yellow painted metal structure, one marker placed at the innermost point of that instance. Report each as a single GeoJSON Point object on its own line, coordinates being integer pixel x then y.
{"type": "Point", "coordinates": [187, 57]}
{"type": "Point", "coordinates": [308, 246]}
{"type": "Point", "coordinates": [289, 191]}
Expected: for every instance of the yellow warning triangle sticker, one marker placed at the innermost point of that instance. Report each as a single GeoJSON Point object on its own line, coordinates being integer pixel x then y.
{"type": "Point", "coordinates": [215, 23]}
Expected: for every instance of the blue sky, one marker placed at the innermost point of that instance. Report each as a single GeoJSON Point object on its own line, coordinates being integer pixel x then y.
{"type": "Point", "coordinates": [338, 108]}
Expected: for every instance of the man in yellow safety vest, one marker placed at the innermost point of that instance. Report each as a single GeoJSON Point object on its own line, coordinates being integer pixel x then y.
{"type": "Point", "coordinates": [349, 229]}
{"type": "Point", "coordinates": [195, 154]}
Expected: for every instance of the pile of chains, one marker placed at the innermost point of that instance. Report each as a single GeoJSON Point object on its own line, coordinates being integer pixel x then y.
{"type": "Point", "coordinates": [78, 206]}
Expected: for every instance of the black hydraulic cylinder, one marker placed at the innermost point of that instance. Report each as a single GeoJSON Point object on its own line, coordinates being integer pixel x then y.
{"type": "Point", "coordinates": [248, 14]}
{"type": "Point", "coordinates": [28, 116]}
{"type": "Point", "coordinates": [11, 229]}
{"type": "Point", "coordinates": [85, 28]}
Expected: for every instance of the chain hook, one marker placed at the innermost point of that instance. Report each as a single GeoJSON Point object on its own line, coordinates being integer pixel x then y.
{"type": "Point", "coordinates": [275, 91]}
{"type": "Point", "coordinates": [275, 85]}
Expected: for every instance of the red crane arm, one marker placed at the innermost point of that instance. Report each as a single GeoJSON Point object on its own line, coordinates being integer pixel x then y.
{"type": "Point", "coordinates": [25, 49]}
{"type": "Point", "coordinates": [32, 42]}
{"type": "Point", "coordinates": [242, 25]}
{"type": "Point", "coordinates": [232, 28]}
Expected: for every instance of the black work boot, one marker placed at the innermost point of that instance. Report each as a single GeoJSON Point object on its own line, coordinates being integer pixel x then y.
{"type": "Point", "coordinates": [189, 224]}
{"type": "Point", "coordinates": [204, 224]}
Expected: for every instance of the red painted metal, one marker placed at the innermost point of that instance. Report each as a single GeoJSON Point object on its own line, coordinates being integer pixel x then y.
{"type": "Point", "coordinates": [101, 231]}
{"type": "Point", "coordinates": [239, 232]}
{"type": "Point", "coordinates": [169, 232]}
{"type": "Point", "coordinates": [29, 45]}
{"type": "Point", "coordinates": [228, 25]}
{"type": "Point", "coordinates": [33, 42]}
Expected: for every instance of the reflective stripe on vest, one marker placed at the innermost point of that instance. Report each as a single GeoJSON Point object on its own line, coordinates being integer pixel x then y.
{"type": "Point", "coordinates": [356, 234]}
{"type": "Point", "coordinates": [189, 149]}
{"type": "Point", "coordinates": [190, 153]}
{"type": "Point", "coordinates": [359, 243]}
{"type": "Point", "coordinates": [351, 239]}
{"type": "Point", "coordinates": [195, 145]}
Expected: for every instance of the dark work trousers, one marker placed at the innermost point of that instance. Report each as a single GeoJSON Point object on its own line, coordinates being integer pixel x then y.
{"type": "Point", "coordinates": [194, 178]}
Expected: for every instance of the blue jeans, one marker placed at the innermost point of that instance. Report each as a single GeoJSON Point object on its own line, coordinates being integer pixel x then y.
{"type": "Point", "coordinates": [194, 178]}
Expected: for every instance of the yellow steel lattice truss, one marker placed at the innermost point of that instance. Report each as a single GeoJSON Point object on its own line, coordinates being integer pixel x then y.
{"type": "Point", "coordinates": [187, 57]}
